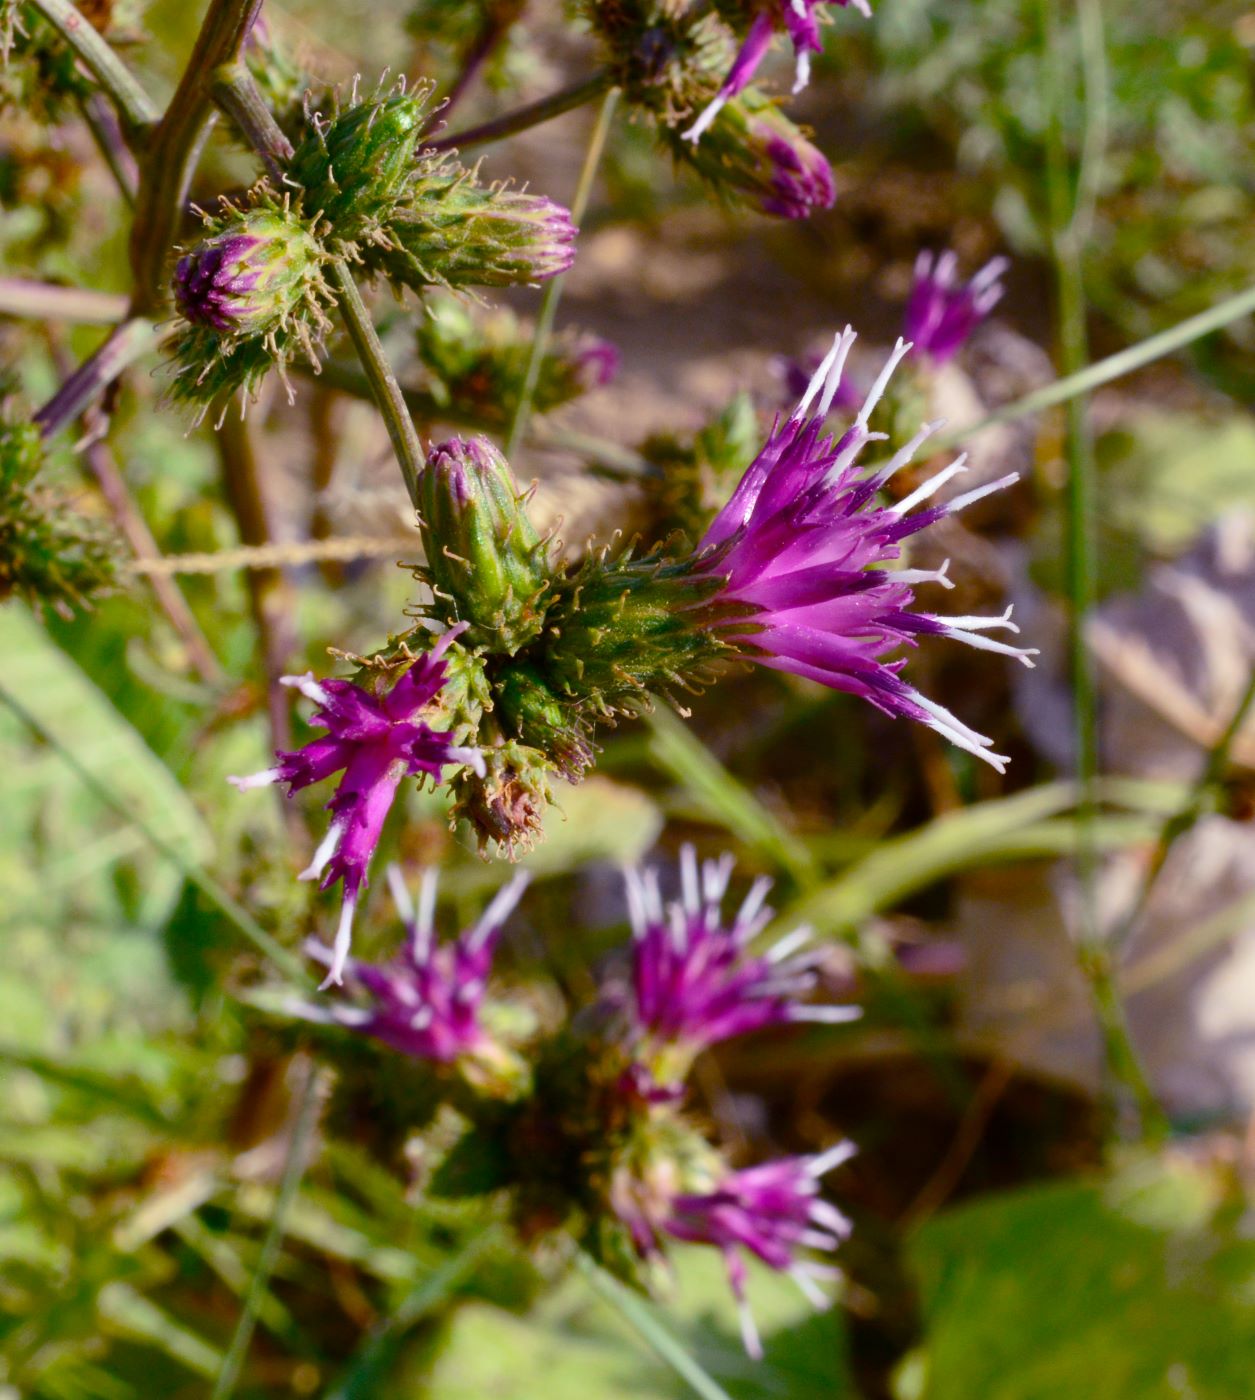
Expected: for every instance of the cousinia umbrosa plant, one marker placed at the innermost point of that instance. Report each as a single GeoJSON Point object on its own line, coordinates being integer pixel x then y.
{"type": "Point", "coordinates": [517, 654]}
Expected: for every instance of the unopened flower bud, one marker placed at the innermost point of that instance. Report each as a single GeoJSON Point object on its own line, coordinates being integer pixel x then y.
{"type": "Point", "coordinates": [527, 707]}
{"type": "Point", "coordinates": [752, 152]}
{"type": "Point", "coordinates": [484, 557]}
{"type": "Point", "coordinates": [454, 232]}
{"type": "Point", "coordinates": [356, 165]}
{"type": "Point", "coordinates": [249, 276]}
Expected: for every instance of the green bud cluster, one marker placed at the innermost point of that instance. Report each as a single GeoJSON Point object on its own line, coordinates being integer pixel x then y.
{"type": "Point", "coordinates": [473, 363]}
{"type": "Point", "coordinates": [49, 555]}
{"type": "Point", "coordinates": [281, 81]}
{"type": "Point", "coordinates": [485, 561]}
{"type": "Point", "coordinates": [664, 57]}
{"type": "Point", "coordinates": [355, 165]}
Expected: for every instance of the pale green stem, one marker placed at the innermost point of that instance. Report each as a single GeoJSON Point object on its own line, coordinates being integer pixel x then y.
{"type": "Point", "coordinates": [138, 110]}
{"type": "Point", "coordinates": [383, 382]}
{"type": "Point", "coordinates": [45, 301]}
{"type": "Point", "coordinates": [293, 1170]}
{"type": "Point", "coordinates": [173, 153]}
{"type": "Point", "coordinates": [553, 288]}
{"type": "Point", "coordinates": [217, 895]}
{"type": "Point", "coordinates": [126, 344]}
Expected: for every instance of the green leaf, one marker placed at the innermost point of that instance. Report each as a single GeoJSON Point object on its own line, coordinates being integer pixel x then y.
{"type": "Point", "coordinates": [1131, 1288]}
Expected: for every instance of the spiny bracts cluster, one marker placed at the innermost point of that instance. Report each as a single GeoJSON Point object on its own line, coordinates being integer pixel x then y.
{"type": "Point", "coordinates": [580, 1122]}
{"type": "Point", "coordinates": [799, 571]}
{"type": "Point", "coordinates": [359, 186]}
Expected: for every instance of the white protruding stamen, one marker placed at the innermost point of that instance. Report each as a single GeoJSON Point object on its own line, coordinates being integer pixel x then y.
{"type": "Point", "coordinates": [874, 394]}
{"type": "Point", "coordinates": [979, 642]}
{"type": "Point", "coordinates": [980, 492]}
{"type": "Point", "coordinates": [471, 757]}
{"type": "Point", "coordinates": [810, 1290]}
{"type": "Point", "coordinates": [790, 943]}
{"type": "Point", "coordinates": [634, 890]}
{"type": "Point", "coordinates": [265, 778]}
{"type": "Point", "coordinates": [959, 734]}
{"type": "Point", "coordinates": [421, 1019]}
{"type": "Point", "coordinates": [706, 120]}
{"type": "Point", "coordinates": [832, 362]}
{"type": "Point", "coordinates": [825, 1214]}
{"type": "Point", "coordinates": [326, 849]}
{"type": "Point", "coordinates": [930, 487]}
{"type": "Point", "coordinates": [689, 882]}
{"type": "Point", "coordinates": [904, 454]}
{"type": "Point", "coordinates": [678, 926]}
{"type": "Point", "coordinates": [400, 895]}
{"type": "Point", "coordinates": [340, 948]}
{"type": "Point", "coordinates": [830, 1159]}
{"type": "Point", "coordinates": [495, 915]}
{"type": "Point", "coordinates": [750, 1339]}
{"type": "Point", "coordinates": [422, 931]}
{"type": "Point", "coordinates": [715, 877]}
{"type": "Point", "coordinates": [833, 381]}
{"type": "Point", "coordinates": [308, 687]}
{"type": "Point", "coordinates": [802, 74]}
{"type": "Point", "coordinates": [748, 913]}
{"type": "Point", "coordinates": [917, 576]}
{"type": "Point", "coordinates": [988, 275]}
{"type": "Point", "coordinates": [825, 1015]}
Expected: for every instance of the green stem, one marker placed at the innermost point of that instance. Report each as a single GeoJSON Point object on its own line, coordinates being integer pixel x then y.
{"type": "Point", "coordinates": [524, 117]}
{"type": "Point", "coordinates": [553, 288]}
{"type": "Point", "coordinates": [217, 895]}
{"type": "Point", "coordinates": [293, 1170]}
{"type": "Point", "coordinates": [174, 151]}
{"type": "Point", "coordinates": [1116, 366]}
{"type": "Point", "coordinates": [383, 382]}
{"type": "Point", "coordinates": [638, 1315]}
{"type": "Point", "coordinates": [106, 131]}
{"type": "Point", "coordinates": [235, 90]}
{"type": "Point", "coordinates": [124, 345]}
{"type": "Point", "coordinates": [138, 110]}
{"type": "Point", "coordinates": [1187, 816]}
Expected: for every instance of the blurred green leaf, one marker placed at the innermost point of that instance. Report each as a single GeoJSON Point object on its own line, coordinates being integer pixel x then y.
{"type": "Point", "coordinates": [1134, 1288]}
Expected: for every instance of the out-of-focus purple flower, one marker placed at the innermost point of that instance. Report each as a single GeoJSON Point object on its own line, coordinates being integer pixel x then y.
{"type": "Point", "coordinates": [941, 314]}
{"type": "Point", "coordinates": [375, 740]}
{"type": "Point", "coordinates": [595, 362]}
{"type": "Point", "coordinates": [800, 178]}
{"type": "Point", "coordinates": [772, 1211]}
{"type": "Point", "coordinates": [800, 20]}
{"type": "Point", "coordinates": [802, 546]}
{"type": "Point", "coordinates": [427, 1001]}
{"type": "Point", "coordinates": [695, 982]}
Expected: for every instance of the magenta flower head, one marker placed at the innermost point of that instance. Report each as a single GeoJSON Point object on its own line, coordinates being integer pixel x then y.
{"type": "Point", "coordinates": [696, 983]}
{"type": "Point", "coordinates": [773, 1211]}
{"type": "Point", "coordinates": [940, 314]}
{"type": "Point", "coordinates": [428, 1001]}
{"type": "Point", "coordinates": [375, 740]}
{"type": "Point", "coordinates": [802, 547]}
{"type": "Point", "coordinates": [800, 20]}
{"type": "Point", "coordinates": [249, 276]}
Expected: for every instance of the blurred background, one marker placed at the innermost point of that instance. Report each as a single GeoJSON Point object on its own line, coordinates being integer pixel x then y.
{"type": "Point", "coordinates": [1050, 1200]}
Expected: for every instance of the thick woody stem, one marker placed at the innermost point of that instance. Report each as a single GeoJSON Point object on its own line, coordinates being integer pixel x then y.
{"type": "Point", "coordinates": [174, 151]}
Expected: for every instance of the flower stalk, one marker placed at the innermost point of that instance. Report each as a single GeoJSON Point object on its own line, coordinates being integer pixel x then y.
{"type": "Point", "coordinates": [138, 110]}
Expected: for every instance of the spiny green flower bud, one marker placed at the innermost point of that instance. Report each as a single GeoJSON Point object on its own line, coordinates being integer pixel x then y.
{"type": "Point", "coordinates": [453, 232]}
{"type": "Point", "coordinates": [621, 628]}
{"type": "Point", "coordinates": [754, 154]}
{"type": "Point", "coordinates": [48, 554]}
{"type": "Point", "coordinates": [473, 364]}
{"type": "Point", "coordinates": [525, 705]}
{"type": "Point", "coordinates": [663, 56]}
{"type": "Point", "coordinates": [251, 294]}
{"type": "Point", "coordinates": [485, 561]}
{"type": "Point", "coordinates": [248, 277]}
{"type": "Point", "coordinates": [506, 805]}
{"type": "Point", "coordinates": [356, 164]}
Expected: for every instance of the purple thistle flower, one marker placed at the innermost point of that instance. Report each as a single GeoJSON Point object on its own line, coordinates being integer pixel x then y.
{"type": "Point", "coordinates": [771, 1211]}
{"type": "Point", "coordinates": [595, 362]}
{"type": "Point", "coordinates": [940, 314]}
{"type": "Point", "coordinates": [427, 1001]}
{"type": "Point", "coordinates": [800, 20]}
{"type": "Point", "coordinates": [375, 740]}
{"type": "Point", "coordinates": [212, 284]}
{"type": "Point", "coordinates": [802, 545]}
{"type": "Point", "coordinates": [694, 981]}
{"type": "Point", "coordinates": [800, 177]}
